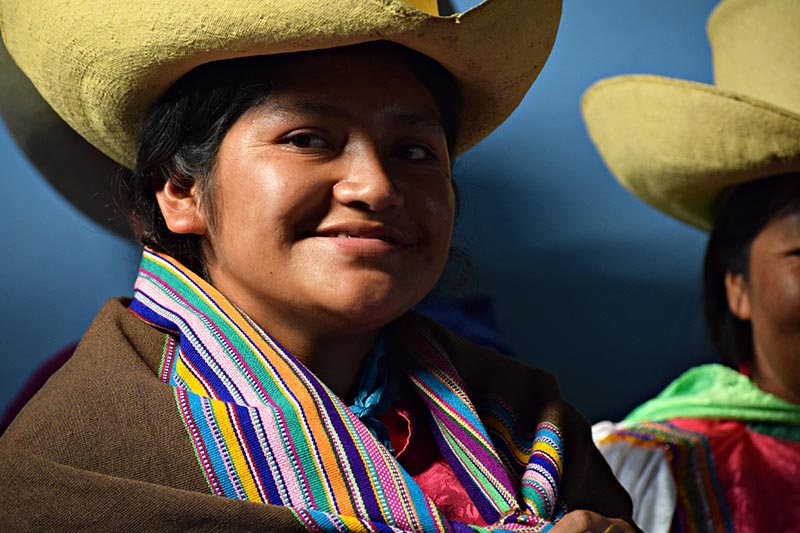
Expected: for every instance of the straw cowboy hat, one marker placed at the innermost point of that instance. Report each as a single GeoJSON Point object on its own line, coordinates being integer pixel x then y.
{"type": "Point", "coordinates": [678, 144]}
{"type": "Point", "coordinates": [97, 68]}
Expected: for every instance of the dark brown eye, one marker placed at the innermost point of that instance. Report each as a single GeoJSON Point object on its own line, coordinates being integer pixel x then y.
{"type": "Point", "coordinates": [415, 152]}
{"type": "Point", "coordinates": [307, 140]}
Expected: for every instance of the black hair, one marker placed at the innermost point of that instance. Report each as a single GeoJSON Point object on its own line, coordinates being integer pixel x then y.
{"type": "Point", "coordinates": [181, 135]}
{"type": "Point", "coordinates": [743, 213]}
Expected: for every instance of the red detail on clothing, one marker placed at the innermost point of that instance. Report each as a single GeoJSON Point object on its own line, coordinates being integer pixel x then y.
{"type": "Point", "coordinates": [746, 369]}
{"type": "Point", "coordinates": [34, 383]}
{"type": "Point", "coordinates": [417, 452]}
{"type": "Point", "coordinates": [759, 474]}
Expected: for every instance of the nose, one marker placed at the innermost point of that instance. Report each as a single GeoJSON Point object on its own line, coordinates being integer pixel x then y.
{"type": "Point", "coordinates": [366, 182]}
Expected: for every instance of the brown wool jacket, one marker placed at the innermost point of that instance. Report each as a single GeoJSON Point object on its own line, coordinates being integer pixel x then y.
{"type": "Point", "coordinates": [102, 445]}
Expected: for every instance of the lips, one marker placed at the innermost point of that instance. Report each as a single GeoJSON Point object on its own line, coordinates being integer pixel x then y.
{"type": "Point", "coordinates": [385, 233]}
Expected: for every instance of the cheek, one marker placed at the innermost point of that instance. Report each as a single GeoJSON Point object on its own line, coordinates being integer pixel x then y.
{"type": "Point", "coordinates": [437, 211]}
{"type": "Point", "coordinates": [779, 296]}
{"type": "Point", "coordinates": [786, 295]}
{"type": "Point", "coordinates": [276, 199]}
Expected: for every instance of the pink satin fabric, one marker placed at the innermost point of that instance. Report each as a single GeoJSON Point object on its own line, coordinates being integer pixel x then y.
{"type": "Point", "coordinates": [416, 451]}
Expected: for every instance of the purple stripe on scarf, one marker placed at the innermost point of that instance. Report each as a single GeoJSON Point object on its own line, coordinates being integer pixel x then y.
{"type": "Point", "coordinates": [351, 450]}
{"type": "Point", "coordinates": [545, 461]}
{"type": "Point", "coordinates": [151, 317]}
{"type": "Point", "coordinates": [199, 366]}
{"type": "Point", "coordinates": [486, 507]}
{"type": "Point", "coordinates": [191, 355]}
{"type": "Point", "coordinates": [249, 440]}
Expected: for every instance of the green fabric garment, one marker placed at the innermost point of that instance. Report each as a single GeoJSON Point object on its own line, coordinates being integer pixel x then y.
{"type": "Point", "coordinates": [716, 391]}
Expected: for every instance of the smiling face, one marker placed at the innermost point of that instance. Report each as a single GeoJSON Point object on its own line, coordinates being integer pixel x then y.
{"type": "Point", "coordinates": [770, 299]}
{"type": "Point", "coordinates": [333, 198]}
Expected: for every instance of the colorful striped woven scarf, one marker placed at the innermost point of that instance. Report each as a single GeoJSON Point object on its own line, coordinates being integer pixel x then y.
{"type": "Point", "coordinates": [265, 429]}
{"type": "Point", "coordinates": [701, 503]}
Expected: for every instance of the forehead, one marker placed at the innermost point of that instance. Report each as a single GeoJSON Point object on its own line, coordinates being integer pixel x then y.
{"type": "Point", "coordinates": [784, 227]}
{"type": "Point", "coordinates": [372, 77]}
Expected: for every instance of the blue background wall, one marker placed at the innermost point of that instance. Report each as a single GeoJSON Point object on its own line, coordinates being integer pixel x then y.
{"type": "Point", "coordinates": [586, 281]}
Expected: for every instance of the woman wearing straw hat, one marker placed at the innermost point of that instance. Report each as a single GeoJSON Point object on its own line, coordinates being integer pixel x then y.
{"type": "Point", "coordinates": [719, 448]}
{"type": "Point", "coordinates": [290, 178]}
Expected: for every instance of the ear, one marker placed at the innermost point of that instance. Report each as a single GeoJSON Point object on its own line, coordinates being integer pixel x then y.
{"type": "Point", "coordinates": [738, 295]}
{"type": "Point", "coordinates": [181, 208]}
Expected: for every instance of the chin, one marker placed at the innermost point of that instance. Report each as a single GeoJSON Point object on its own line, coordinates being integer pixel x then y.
{"type": "Point", "coordinates": [378, 290]}
{"type": "Point", "coordinates": [373, 313]}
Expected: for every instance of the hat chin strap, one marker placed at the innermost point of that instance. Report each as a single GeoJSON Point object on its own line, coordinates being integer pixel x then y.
{"type": "Point", "coordinates": [431, 7]}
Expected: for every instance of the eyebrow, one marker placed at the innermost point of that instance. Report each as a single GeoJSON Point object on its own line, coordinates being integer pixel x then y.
{"type": "Point", "coordinates": [398, 114]}
{"type": "Point", "coordinates": [417, 119]}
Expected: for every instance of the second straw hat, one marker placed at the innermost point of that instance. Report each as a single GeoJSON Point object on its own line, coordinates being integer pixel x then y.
{"type": "Point", "coordinates": [678, 144]}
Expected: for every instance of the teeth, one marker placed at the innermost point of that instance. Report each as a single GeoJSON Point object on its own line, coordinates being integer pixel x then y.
{"type": "Point", "coordinates": [343, 235]}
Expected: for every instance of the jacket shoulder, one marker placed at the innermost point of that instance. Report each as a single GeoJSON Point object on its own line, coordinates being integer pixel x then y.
{"type": "Point", "coordinates": [106, 411]}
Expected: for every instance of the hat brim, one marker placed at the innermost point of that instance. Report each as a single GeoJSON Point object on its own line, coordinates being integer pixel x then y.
{"type": "Point", "coordinates": [77, 170]}
{"type": "Point", "coordinates": [678, 144]}
{"type": "Point", "coordinates": [102, 74]}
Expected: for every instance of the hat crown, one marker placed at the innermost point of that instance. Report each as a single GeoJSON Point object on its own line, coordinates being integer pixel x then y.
{"type": "Point", "coordinates": [431, 7]}
{"type": "Point", "coordinates": [756, 49]}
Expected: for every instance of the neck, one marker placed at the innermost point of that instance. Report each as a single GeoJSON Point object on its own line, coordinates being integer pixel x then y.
{"type": "Point", "coordinates": [336, 360]}
{"type": "Point", "coordinates": [334, 352]}
{"type": "Point", "coordinates": [770, 381]}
